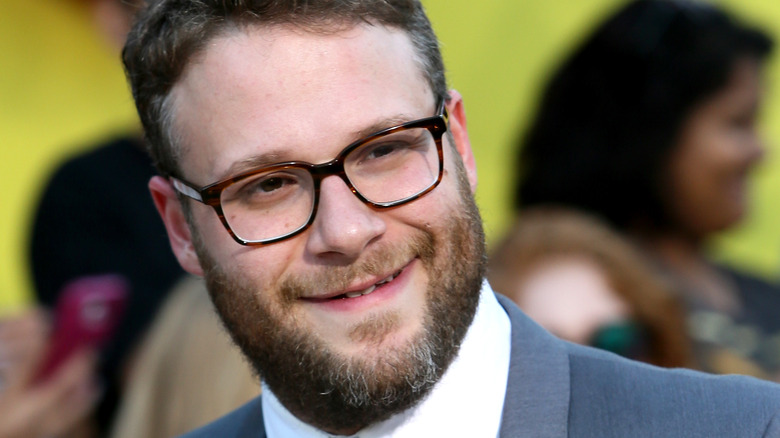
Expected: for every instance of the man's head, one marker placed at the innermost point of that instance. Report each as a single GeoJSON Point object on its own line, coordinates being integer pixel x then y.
{"type": "Point", "coordinates": [356, 315]}
{"type": "Point", "coordinates": [166, 39]}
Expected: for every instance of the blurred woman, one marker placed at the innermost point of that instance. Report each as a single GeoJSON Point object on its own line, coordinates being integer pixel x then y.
{"type": "Point", "coordinates": [651, 126]}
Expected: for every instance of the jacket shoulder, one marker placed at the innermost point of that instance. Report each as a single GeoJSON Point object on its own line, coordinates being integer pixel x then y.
{"type": "Point", "coordinates": [609, 393]}
{"type": "Point", "coordinates": [246, 421]}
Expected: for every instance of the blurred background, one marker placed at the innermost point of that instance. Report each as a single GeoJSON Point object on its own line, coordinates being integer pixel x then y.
{"type": "Point", "coordinates": [62, 89]}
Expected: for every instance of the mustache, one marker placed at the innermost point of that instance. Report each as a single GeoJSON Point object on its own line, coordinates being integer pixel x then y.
{"type": "Point", "coordinates": [386, 259]}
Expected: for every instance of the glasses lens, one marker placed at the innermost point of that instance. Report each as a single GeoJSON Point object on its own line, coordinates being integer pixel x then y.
{"type": "Point", "coordinates": [270, 204]}
{"type": "Point", "coordinates": [395, 166]}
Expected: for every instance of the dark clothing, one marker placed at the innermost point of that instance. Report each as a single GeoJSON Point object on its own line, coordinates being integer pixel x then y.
{"type": "Point", "coordinates": [559, 389]}
{"type": "Point", "coordinates": [746, 342]}
{"type": "Point", "coordinates": [95, 217]}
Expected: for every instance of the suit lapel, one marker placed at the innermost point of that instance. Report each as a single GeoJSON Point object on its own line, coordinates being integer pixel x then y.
{"type": "Point", "coordinates": [538, 388]}
{"type": "Point", "coordinates": [252, 425]}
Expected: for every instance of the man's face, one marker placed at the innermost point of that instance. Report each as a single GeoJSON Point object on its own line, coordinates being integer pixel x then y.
{"type": "Point", "coordinates": [264, 95]}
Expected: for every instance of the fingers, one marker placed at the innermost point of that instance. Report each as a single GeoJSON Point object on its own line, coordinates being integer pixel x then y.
{"type": "Point", "coordinates": [54, 406]}
{"type": "Point", "coordinates": [71, 395]}
{"type": "Point", "coordinates": [23, 341]}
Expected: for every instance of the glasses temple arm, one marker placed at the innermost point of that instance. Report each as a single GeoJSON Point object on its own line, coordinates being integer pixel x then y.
{"type": "Point", "coordinates": [185, 189]}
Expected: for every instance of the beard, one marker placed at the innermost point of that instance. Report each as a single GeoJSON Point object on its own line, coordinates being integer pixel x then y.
{"type": "Point", "coordinates": [343, 394]}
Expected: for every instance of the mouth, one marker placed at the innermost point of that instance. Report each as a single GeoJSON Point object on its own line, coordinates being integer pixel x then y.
{"type": "Point", "coordinates": [356, 292]}
{"type": "Point", "coordinates": [368, 290]}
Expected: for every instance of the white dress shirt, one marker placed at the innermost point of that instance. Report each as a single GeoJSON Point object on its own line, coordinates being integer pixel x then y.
{"type": "Point", "coordinates": [467, 401]}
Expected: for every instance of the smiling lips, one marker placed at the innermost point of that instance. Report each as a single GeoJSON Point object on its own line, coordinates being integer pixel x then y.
{"type": "Point", "coordinates": [369, 289]}
{"type": "Point", "coordinates": [355, 293]}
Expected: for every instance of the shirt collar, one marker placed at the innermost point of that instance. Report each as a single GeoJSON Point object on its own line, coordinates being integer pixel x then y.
{"type": "Point", "coordinates": [484, 353]}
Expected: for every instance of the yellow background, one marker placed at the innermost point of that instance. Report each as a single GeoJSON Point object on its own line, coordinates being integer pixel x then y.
{"type": "Point", "coordinates": [62, 89]}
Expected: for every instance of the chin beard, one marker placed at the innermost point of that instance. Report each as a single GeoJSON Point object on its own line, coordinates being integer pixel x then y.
{"type": "Point", "coordinates": [340, 394]}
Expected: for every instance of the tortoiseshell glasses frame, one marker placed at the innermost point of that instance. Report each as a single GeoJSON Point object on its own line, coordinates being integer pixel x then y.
{"type": "Point", "coordinates": [420, 171]}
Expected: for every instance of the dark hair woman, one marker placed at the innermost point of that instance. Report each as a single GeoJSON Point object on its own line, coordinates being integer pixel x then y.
{"type": "Point", "coordinates": [650, 125]}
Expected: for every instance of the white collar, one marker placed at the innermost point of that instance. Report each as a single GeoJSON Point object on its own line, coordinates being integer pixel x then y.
{"type": "Point", "coordinates": [467, 401]}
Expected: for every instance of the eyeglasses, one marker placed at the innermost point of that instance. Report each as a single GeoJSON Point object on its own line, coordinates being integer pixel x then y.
{"type": "Point", "coordinates": [385, 169]}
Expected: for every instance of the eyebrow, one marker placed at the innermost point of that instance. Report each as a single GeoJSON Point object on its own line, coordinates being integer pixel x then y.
{"type": "Point", "coordinates": [382, 125]}
{"type": "Point", "coordinates": [254, 162]}
{"type": "Point", "coordinates": [283, 155]}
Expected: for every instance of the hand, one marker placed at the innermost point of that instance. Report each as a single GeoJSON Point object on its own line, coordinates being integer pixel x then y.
{"type": "Point", "coordinates": [23, 342]}
{"type": "Point", "coordinates": [46, 409]}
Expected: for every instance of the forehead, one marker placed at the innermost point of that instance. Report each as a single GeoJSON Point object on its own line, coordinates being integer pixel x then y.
{"type": "Point", "coordinates": [287, 93]}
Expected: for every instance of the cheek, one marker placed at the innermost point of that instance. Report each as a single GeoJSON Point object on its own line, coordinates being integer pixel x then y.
{"type": "Point", "coordinates": [265, 267]}
{"type": "Point", "coordinates": [707, 170]}
{"type": "Point", "coordinates": [432, 210]}
{"type": "Point", "coordinates": [258, 266]}
{"type": "Point", "coordinates": [695, 163]}
{"type": "Point", "coordinates": [213, 236]}
{"type": "Point", "coordinates": [714, 152]}
{"type": "Point", "coordinates": [707, 185]}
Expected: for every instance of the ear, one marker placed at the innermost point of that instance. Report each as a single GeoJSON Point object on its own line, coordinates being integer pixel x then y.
{"type": "Point", "coordinates": [459, 132]}
{"type": "Point", "coordinates": [179, 233]}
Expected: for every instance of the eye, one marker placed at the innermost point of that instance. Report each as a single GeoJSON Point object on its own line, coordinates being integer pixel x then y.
{"type": "Point", "coordinates": [266, 188]}
{"type": "Point", "coordinates": [392, 147]}
{"type": "Point", "coordinates": [272, 183]}
{"type": "Point", "coordinates": [268, 184]}
{"type": "Point", "coordinates": [383, 149]}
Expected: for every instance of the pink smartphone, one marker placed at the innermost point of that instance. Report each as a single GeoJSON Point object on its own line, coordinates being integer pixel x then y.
{"type": "Point", "coordinates": [88, 312]}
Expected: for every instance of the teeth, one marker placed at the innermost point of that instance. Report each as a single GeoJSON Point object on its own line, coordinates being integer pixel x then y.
{"type": "Point", "coordinates": [388, 279]}
{"type": "Point", "coordinates": [358, 293]}
{"type": "Point", "coordinates": [370, 289]}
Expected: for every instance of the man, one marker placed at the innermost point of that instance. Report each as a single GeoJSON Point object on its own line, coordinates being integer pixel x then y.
{"type": "Point", "coordinates": [346, 256]}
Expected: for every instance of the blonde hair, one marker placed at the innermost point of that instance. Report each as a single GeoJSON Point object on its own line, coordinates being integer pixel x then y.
{"type": "Point", "coordinates": [540, 234]}
{"type": "Point", "coordinates": [187, 372]}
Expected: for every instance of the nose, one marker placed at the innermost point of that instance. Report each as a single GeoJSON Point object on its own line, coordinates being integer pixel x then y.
{"type": "Point", "coordinates": [344, 226]}
{"type": "Point", "coordinates": [758, 150]}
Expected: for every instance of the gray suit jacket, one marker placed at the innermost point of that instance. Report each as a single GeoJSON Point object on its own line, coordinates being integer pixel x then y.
{"type": "Point", "coordinates": [558, 389]}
